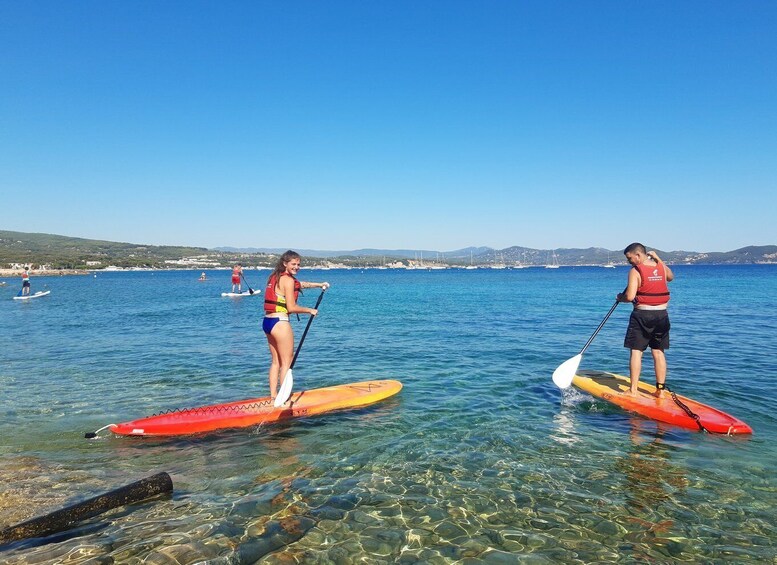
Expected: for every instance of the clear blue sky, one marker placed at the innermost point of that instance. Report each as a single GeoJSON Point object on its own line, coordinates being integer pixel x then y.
{"type": "Point", "coordinates": [391, 124]}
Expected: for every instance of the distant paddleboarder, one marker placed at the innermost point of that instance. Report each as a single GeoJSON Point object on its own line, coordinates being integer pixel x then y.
{"type": "Point", "coordinates": [649, 322]}
{"type": "Point", "coordinates": [280, 300]}
{"type": "Point", "coordinates": [237, 272]}
{"type": "Point", "coordinates": [26, 282]}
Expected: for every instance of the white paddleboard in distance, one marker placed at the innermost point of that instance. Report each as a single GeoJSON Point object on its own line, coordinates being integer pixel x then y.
{"type": "Point", "coordinates": [36, 295]}
{"type": "Point", "coordinates": [239, 294]}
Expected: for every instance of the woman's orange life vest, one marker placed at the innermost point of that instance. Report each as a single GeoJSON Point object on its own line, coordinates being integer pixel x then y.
{"type": "Point", "coordinates": [653, 291]}
{"type": "Point", "coordinates": [273, 303]}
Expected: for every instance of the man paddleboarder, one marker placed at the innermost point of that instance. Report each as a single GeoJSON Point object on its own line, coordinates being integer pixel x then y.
{"type": "Point", "coordinates": [237, 272]}
{"type": "Point", "coordinates": [26, 282]}
{"type": "Point", "coordinates": [649, 322]}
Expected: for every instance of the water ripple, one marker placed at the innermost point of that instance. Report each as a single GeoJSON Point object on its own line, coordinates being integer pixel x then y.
{"type": "Point", "coordinates": [479, 459]}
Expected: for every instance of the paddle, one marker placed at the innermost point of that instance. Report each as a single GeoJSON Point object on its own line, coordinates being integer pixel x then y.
{"type": "Point", "coordinates": [565, 372]}
{"type": "Point", "coordinates": [288, 381]}
{"type": "Point", "coordinates": [250, 290]}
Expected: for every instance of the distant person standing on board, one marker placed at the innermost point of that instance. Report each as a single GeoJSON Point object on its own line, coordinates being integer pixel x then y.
{"type": "Point", "coordinates": [237, 271]}
{"type": "Point", "coordinates": [26, 282]}
{"type": "Point", "coordinates": [649, 322]}
{"type": "Point", "coordinates": [280, 300]}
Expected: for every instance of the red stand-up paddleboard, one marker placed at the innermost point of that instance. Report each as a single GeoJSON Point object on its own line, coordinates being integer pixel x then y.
{"type": "Point", "coordinates": [614, 388]}
{"type": "Point", "coordinates": [255, 411]}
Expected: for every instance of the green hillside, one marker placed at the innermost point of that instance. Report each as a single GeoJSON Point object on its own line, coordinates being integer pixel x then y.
{"type": "Point", "coordinates": [61, 252]}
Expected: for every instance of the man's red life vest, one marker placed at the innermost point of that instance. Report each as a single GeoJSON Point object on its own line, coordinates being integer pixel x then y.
{"type": "Point", "coordinates": [272, 304]}
{"type": "Point", "coordinates": [653, 291]}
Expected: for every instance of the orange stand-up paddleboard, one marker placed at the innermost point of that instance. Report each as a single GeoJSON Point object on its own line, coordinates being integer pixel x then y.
{"type": "Point", "coordinates": [614, 388]}
{"type": "Point", "coordinates": [255, 411]}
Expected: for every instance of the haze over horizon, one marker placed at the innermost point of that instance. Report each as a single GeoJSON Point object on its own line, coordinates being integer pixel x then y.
{"type": "Point", "coordinates": [345, 125]}
{"type": "Point", "coordinates": [322, 252]}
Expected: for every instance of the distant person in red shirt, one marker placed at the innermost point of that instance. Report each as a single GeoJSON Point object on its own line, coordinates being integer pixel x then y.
{"type": "Point", "coordinates": [26, 282]}
{"type": "Point", "coordinates": [237, 272]}
{"type": "Point", "coordinates": [649, 322]}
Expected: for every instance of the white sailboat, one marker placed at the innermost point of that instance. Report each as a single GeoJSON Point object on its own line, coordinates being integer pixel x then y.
{"type": "Point", "coordinates": [553, 262]}
{"type": "Point", "coordinates": [500, 263]}
{"type": "Point", "coordinates": [437, 264]}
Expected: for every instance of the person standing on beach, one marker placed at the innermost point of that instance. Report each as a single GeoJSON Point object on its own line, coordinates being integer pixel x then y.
{"type": "Point", "coordinates": [237, 272]}
{"type": "Point", "coordinates": [26, 282]}
{"type": "Point", "coordinates": [280, 300]}
{"type": "Point", "coordinates": [649, 322]}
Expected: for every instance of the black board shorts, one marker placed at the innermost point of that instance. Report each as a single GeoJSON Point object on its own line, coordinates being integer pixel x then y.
{"type": "Point", "coordinates": [648, 328]}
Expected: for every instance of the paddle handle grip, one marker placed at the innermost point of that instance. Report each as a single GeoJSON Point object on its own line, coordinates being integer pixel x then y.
{"type": "Point", "coordinates": [607, 317]}
{"type": "Point", "coordinates": [307, 327]}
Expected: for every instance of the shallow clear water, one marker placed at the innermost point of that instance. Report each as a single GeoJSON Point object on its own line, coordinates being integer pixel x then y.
{"type": "Point", "coordinates": [479, 458]}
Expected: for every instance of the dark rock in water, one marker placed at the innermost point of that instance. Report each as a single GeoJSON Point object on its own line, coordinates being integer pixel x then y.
{"type": "Point", "coordinates": [65, 518]}
{"type": "Point", "coordinates": [277, 534]}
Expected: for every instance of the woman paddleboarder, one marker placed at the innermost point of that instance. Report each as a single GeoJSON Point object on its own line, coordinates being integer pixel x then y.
{"type": "Point", "coordinates": [280, 300]}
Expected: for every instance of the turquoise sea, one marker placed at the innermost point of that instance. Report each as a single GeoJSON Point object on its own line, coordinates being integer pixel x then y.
{"type": "Point", "coordinates": [480, 459]}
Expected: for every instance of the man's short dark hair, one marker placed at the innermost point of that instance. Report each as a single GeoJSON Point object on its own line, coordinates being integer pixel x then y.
{"type": "Point", "coordinates": [635, 247]}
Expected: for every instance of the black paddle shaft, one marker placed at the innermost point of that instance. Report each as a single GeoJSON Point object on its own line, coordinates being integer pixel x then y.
{"type": "Point", "coordinates": [250, 290]}
{"type": "Point", "coordinates": [607, 317]}
{"type": "Point", "coordinates": [310, 321]}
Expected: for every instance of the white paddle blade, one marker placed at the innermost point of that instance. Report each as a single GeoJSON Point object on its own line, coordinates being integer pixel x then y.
{"type": "Point", "coordinates": [565, 372]}
{"type": "Point", "coordinates": [285, 392]}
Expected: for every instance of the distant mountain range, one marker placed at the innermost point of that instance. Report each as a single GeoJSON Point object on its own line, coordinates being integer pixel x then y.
{"type": "Point", "coordinates": [529, 256]}
{"type": "Point", "coordinates": [65, 252]}
{"type": "Point", "coordinates": [367, 252]}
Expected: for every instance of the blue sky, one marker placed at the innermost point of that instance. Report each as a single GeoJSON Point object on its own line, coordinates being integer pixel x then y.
{"type": "Point", "coordinates": [420, 125]}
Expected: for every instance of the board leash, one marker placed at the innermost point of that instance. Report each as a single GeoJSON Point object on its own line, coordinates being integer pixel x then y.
{"type": "Point", "coordinates": [687, 410]}
{"type": "Point", "coordinates": [92, 435]}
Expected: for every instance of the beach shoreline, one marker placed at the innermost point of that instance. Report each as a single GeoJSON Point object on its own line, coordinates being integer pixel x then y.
{"type": "Point", "coordinates": [6, 273]}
